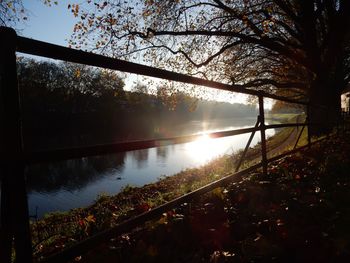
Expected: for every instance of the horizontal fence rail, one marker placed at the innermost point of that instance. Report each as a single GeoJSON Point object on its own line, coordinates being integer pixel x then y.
{"type": "Point", "coordinates": [128, 225]}
{"type": "Point", "coordinates": [43, 49]}
{"type": "Point", "coordinates": [79, 152]}
{"type": "Point", "coordinates": [23, 157]}
{"type": "Point", "coordinates": [285, 125]}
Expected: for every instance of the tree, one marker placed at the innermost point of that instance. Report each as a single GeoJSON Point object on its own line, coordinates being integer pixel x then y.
{"type": "Point", "coordinates": [67, 87]}
{"type": "Point", "coordinates": [276, 45]}
{"type": "Point", "coordinates": [13, 12]}
{"type": "Point", "coordinates": [59, 101]}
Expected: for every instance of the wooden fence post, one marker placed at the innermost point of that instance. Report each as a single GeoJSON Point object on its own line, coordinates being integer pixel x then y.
{"type": "Point", "coordinates": [241, 159]}
{"type": "Point", "coordinates": [262, 134]}
{"type": "Point", "coordinates": [14, 204]}
{"type": "Point", "coordinates": [308, 125]}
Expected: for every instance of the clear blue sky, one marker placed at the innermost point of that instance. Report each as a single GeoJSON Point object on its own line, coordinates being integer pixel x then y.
{"type": "Point", "coordinates": [50, 24]}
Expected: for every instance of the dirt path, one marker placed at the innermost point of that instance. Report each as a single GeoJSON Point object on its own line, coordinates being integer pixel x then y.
{"type": "Point", "coordinates": [289, 141]}
{"type": "Point", "coordinates": [274, 150]}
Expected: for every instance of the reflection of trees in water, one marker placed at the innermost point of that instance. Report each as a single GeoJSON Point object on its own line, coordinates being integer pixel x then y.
{"type": "Point", "coordinates": [162, 153]}
{"type": "Point", "coordinates": [72, 174]}
{"type": "Point", "coordinates": [141, 157]}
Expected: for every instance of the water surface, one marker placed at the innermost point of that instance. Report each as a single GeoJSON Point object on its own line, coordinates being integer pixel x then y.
{"type": "Point", "coordinates": [76, 183]}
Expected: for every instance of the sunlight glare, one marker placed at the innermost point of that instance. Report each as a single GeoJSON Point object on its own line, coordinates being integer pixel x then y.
{"type": "Point", "coordinates": [204, 149]}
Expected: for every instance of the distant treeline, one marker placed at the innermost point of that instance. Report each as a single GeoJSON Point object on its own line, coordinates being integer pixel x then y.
{"type": "Point", "coordinates": [66, 104]}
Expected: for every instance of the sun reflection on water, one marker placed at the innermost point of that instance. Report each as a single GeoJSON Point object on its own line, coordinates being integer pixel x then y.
{"type": "Point", "coordinates": [205, 148]}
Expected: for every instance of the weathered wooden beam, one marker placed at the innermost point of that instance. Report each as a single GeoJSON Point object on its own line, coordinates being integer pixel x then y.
{"type": "Point", "coordinates": [39, 48]}
{"type": "Point", "coordinates": [14, 206]}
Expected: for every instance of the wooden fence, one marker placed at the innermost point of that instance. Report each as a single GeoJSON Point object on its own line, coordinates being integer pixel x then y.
{"type": "Point", "coordinates": [15, 231]}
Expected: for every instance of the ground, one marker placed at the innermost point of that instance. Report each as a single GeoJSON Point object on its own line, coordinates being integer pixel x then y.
{"type": "Point", "coordinates": [298, 213]}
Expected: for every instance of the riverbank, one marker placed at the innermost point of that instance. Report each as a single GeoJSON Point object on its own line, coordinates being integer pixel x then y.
{"type": "Point", "coordinates": [65, 185]}
{"type": "Point", "coordinates": [298, 213]}
{"type": "Point", "coordinates": [59, 230]}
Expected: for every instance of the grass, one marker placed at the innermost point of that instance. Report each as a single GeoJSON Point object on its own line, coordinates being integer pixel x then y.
{"type": "Point", "coordinates": [298, 213]}
{"type": "Point", "coordinates": [59, 230]}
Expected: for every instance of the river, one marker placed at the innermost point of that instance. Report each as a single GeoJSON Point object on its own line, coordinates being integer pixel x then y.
{"type": "Point", "coordinates": [61, 186]}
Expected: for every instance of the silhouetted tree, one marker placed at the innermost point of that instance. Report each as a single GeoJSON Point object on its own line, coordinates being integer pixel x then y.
{"type": "Point", "coordinates": [65, 100]}
{"type": "Point", "coordinates": [275, 45]}
{"type": "Point", "coordinates": [66, 104]}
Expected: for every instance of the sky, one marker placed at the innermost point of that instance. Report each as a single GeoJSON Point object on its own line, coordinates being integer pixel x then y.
{"type": "Point", "coordinates": [55, 24]}
{"type": "Point", "coordinates": [50, 24]}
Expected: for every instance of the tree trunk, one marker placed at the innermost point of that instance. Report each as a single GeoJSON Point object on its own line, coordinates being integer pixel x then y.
{"type": "Point", "coordinates": [325, 108]}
